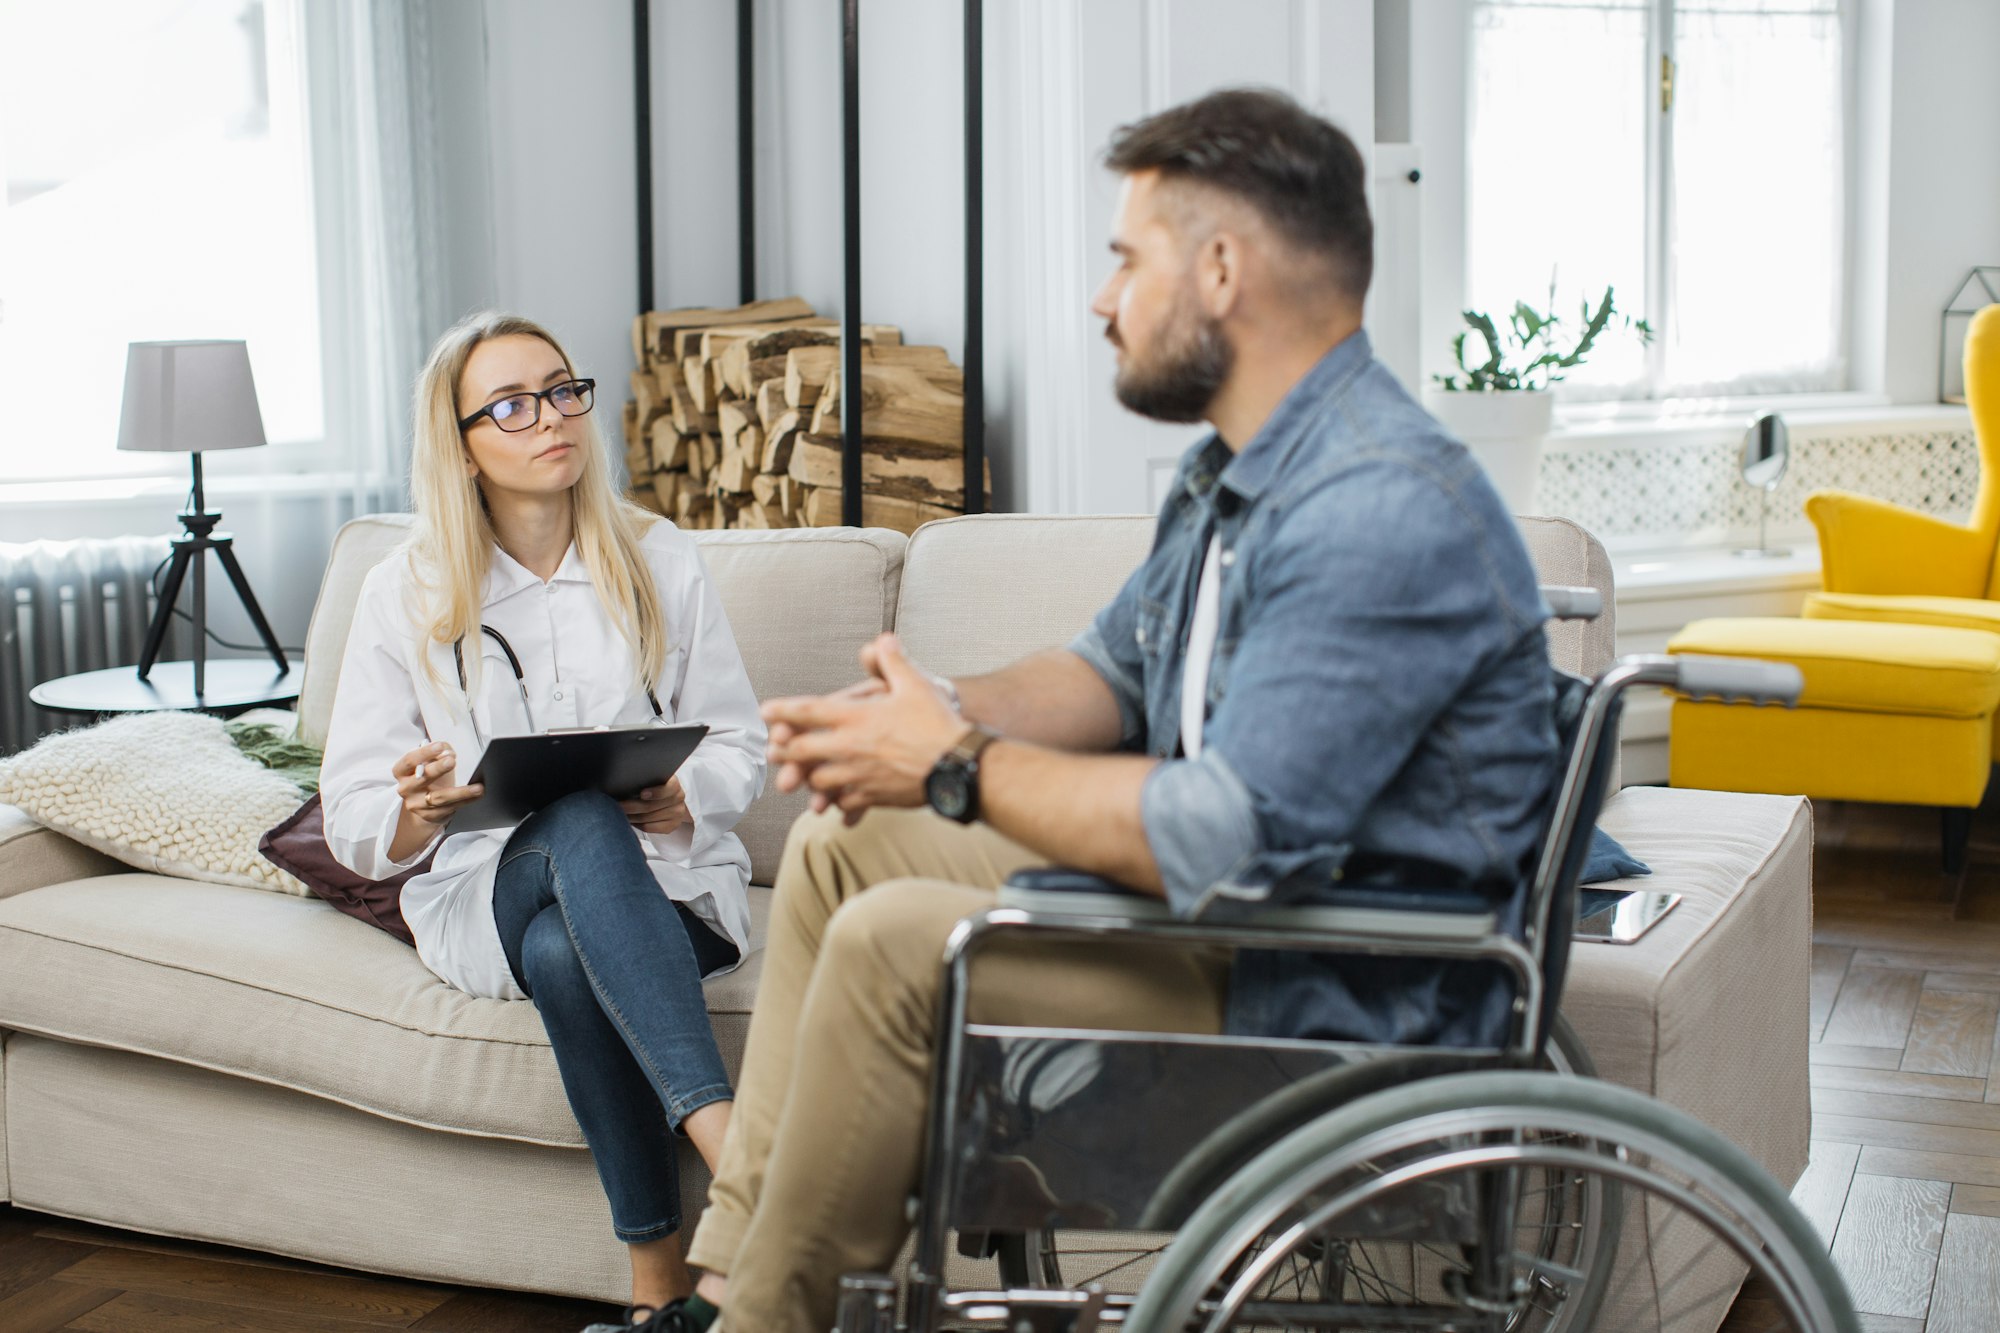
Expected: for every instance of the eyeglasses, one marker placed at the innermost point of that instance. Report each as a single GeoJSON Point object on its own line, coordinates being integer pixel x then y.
{"type": "Point", "coordinates": [522, 410]}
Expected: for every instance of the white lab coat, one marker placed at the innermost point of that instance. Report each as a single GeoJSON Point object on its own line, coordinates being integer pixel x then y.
{"type": "Point", "coordinates": [577, 669]}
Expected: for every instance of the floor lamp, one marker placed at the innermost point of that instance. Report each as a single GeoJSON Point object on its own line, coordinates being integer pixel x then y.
{"type": "Point", "coordinates": [190, 397]}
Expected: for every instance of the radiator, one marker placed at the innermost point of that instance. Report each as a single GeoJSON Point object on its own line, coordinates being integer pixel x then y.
{"type": "Point", "coordinates": [67, 607]}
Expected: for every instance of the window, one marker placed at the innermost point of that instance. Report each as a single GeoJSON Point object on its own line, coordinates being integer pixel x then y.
{"type": "Point", "coordinates": [1691, 154]}
{"type": "Point", "coordinates": [156, 187]}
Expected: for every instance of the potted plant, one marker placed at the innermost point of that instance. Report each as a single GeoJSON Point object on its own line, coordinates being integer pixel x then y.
{"type": "Point", "coordinates": [1500, 403]}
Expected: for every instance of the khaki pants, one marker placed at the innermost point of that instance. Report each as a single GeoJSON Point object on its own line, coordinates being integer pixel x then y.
{"type": "Point", "coordinates": [827, 1137]}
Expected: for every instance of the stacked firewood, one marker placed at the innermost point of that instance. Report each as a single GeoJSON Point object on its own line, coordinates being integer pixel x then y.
{"type": "Point", "coordinates": [735, 421]}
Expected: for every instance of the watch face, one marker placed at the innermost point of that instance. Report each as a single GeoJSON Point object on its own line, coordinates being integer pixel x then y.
{"type": "Point", "coordinates": [949, 793]}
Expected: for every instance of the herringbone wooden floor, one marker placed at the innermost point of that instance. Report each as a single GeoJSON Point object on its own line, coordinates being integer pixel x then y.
{"type": "Point", "coordinates": [1904, 1181]}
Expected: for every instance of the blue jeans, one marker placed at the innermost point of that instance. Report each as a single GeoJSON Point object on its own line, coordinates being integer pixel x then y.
{"type": "Point", "coordinates": [615, 968]}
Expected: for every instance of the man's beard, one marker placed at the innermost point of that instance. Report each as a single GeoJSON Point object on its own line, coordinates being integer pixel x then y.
{"type": "Point", "coordinates": [1180, 381]}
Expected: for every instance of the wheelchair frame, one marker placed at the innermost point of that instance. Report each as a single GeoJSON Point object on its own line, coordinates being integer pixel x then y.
{"type": "Point", "coordinates": [868, 1301]}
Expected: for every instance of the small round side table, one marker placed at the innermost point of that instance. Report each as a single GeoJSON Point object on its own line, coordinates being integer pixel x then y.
{"type": "Point", "coordinates": [232, 685]}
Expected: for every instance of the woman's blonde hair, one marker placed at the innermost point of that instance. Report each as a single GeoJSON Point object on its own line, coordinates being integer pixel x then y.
{"type": "Point", "coordinates": [452, 547]}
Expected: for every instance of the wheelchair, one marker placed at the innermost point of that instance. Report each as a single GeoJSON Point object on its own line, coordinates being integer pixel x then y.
{"type": "Point", "coordinates": [1170, 1183]}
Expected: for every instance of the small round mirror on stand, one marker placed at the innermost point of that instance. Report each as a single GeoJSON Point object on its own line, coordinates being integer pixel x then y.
{"type": "Point", "coordinates": [1767, 448]}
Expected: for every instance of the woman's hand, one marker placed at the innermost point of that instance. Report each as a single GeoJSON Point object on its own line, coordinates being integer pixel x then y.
{"type": "Point", "coordinates": [660, 809]}
{"type": "Point", "coordinates": [421, 777]}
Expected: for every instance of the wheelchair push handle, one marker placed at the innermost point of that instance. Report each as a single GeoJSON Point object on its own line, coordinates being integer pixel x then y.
{"type": "Point", "coordinates": [1734, 679]}
{"type": "Point", "coordinates": [1571, 603]}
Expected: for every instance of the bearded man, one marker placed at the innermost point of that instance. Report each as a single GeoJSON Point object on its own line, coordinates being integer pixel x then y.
{"type": "Point", "coordinates": [1330, 668]}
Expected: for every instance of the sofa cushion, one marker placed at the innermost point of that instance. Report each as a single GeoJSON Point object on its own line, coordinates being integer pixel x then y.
{"type": "Point", "coordinates": [1865, 666]}
{"type": "Point", "coordinates": [801, 603]}
{"type": "Point", "coordinates": [290, 992]}
{"type": "Point", "coordinates": [979, 592]}
{"type": "Point", "coordinates": [358, 547]}
{"type": "Point", "coordinates": [1952, 612]}
{"type": "Point", "coordinates": [982, 591]}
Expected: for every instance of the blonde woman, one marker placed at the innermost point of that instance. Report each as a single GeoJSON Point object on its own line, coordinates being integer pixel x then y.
{"type": "Point", "coordinates": [531, 597]}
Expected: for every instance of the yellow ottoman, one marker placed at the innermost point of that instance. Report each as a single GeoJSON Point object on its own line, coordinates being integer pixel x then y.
{"type": "Point", "coordinates": [1896, 713]}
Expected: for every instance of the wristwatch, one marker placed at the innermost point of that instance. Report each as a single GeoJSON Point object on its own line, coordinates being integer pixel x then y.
{"type": "Point", "coordinates": [952, 788]}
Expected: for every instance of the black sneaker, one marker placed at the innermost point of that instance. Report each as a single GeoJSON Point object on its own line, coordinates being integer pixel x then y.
{"type": "Point", "coordinates": [669, 1318]}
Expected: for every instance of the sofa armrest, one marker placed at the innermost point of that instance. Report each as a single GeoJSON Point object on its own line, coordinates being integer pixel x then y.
{"type": "Point", "coordinates": [32, 856]}
{"type": "Point", "coordinates": [1871, 546]}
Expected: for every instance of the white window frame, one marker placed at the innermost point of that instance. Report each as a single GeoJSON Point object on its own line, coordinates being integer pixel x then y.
{"type": "Point", "coordinates": [1439, 80]}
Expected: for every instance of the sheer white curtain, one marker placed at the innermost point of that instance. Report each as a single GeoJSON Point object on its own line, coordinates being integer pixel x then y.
{"type": "Point", "coordinates": [1722, 220]}
{"type": "Point", "coordinates": [1759, 199]}
{"type": "Point", "coordinates": [375, 155]}
{"type": "Point", "coordinates": [1556, 167]}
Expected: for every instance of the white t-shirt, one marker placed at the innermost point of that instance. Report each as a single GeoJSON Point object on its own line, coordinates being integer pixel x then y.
{"type": "Point", "coordinates": [1202, 629]}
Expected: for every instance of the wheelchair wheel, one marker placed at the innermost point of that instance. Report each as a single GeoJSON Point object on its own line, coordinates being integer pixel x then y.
{"type": "Point", "coordinates": [1122, 1261]}
{"type": "Point", "coordinates": [1276, 1248]}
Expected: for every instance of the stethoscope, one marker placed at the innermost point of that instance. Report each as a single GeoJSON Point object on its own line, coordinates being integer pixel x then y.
{"type": "Point", "coordinates": [520, 683]}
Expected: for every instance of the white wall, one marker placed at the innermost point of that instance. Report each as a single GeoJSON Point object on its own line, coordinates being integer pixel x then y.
{"type": "Point", "coordinates": [1944, 176]}
{"type": "Point", "coordinates": [1060, 76]}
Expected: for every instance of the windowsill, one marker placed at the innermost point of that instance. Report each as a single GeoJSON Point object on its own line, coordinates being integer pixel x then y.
{"type": "Point", "coordinates": [1701, 420]}
{"type": "Point", "coordinates": [1666, 574]}
{"type": "Point", "coordinates": [173, 490]}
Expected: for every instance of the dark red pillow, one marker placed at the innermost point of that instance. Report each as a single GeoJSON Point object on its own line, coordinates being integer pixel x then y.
{"type": "Point", "coordinates": [298, 847]}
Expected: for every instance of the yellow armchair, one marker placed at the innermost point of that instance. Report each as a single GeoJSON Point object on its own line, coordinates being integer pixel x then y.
{"type": "Point", "coordinates": [1875, 557]}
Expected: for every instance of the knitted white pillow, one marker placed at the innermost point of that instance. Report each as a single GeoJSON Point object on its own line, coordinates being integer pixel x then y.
{"type": "Point", "coordinates": [166, 792]}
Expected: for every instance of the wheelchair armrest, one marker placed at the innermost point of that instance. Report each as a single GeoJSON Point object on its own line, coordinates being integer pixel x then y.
{"type": "Point", "coordinates": [1058, 892]}
{"type": "Point", "coordinates": [1067, 902]}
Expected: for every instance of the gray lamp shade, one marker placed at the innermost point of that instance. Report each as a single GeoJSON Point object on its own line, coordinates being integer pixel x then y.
{"type": "Point", "coordinates": [183, 397]}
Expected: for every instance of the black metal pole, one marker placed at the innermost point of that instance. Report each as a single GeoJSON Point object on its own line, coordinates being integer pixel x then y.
{"type": "Point", "coordinates": [746, 151]}
{"type": "Point", "coordinates": [642, 102]}
{"type": "Point", "coordinates": [850, 312]}
{"type": "Point", "coordinates": [975, 236]}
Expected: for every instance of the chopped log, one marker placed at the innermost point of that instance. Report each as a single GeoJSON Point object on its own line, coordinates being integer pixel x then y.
{"type": "Point", "coordinates": [770, 401]}
{"type": "Point", "coordinates": [764, 487]}
{"type": "Point", "coordinates": [806, 369]}
{"type": "Point", "coordinates": [667, 377]}
{"type": "Point", "coordinates": [732, 476]}
{"type": "Point", "coordinates": [822, 510]}
{"type": "Point", "coordinates": [734, 415]}
{"type": "Point", "coordinates": [700, 381]}
{"type": "Point", "coordinates": [645, 396]}
{"type": "Point", "coordinates": [661, 325]}
{"type": "Point", "coordinates": [711, 453]}
{"type": "Point", "coordinates": [750, 447]}
{"type": "Point", "coordinates": [899, 404]}
{"type": "Point", "coordinates": [684, 506]}
{"type": "Point", "coordinates": [789, 492]}
{"type": "Point", "coordinates": [646, 500]}
{"type": "Point", "coordinates": [778, 439]}
{"type": "Point", "coordinates": [928, 478]}
{"type": "Point", "coordinates": [690, 422]}
{"type": "Point", "coordinates": [631, 422]}
{"type": "Point", "coordinates": [666, 490]}
{"type": "Point", "coordinates": [669, 446]}
{"type": "Point", "coordinates": [905, 407]}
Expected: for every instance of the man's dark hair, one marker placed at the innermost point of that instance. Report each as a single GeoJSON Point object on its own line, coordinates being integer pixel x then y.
{"type": "Point", "coordinates": [1302, 175]}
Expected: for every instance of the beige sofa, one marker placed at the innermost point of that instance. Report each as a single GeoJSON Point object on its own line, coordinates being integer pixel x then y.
{"type": "Point", "coordinates": [244, 1067]}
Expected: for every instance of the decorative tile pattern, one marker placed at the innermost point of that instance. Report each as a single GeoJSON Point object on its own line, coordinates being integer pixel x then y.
{"type": "Point", "coordinates": [1675, 493]}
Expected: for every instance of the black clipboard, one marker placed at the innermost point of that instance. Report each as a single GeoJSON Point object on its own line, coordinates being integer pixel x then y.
{"type": "Point", "coordinates": [524, 773]}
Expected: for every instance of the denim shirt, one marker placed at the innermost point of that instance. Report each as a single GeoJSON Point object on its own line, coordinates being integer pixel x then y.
{"type": "Point", "coordinates": [1379, 694]}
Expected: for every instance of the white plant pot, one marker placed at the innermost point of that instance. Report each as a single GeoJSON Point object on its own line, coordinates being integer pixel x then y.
{"type": "Point", "coordinates": [1505, 431]}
